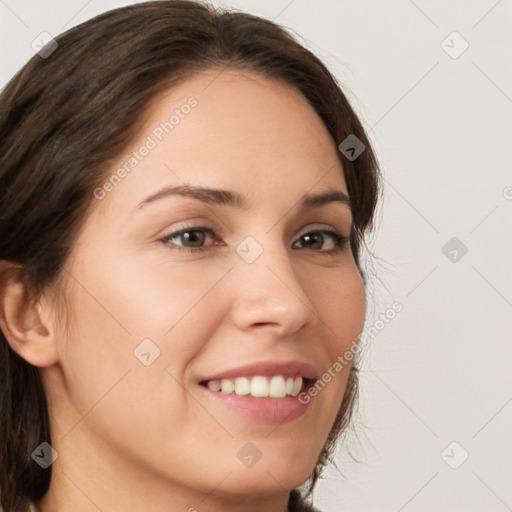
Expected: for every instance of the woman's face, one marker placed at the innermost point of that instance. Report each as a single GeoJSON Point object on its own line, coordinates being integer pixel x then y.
{"type": "Point", "coordinates": [266, 293]}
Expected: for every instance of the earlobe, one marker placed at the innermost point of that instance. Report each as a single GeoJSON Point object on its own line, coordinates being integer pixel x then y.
{"type": "Point", "coordinates": [27, 330]}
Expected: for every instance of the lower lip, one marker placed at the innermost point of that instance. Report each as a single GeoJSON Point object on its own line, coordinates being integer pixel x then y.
{"type": "Point", "coordinates": [264, 410]}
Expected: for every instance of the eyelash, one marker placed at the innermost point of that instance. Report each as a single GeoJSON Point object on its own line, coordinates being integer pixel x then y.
{"type": "Point", "coordinates": [340, 240]}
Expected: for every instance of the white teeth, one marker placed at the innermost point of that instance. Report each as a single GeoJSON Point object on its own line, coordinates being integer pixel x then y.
{"type": "Point", "coordinates": [242, 386]}
{"type": "Point", "coordinates": [289, 385]}
{"type": "Point", "coordinates": [258, 386]}
{"type": "Point", "coordinates": [277, 388]}
{"type": "Point", "coordinates": [214, 385]}
{"type": "Point", "coordinates": [227, 386]}
{"type": "Point", "coordinates": [297, 385]}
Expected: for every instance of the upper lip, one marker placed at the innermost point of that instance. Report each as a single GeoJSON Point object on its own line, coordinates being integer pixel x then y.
{"type": "Point", "coordinates": [267, 369]}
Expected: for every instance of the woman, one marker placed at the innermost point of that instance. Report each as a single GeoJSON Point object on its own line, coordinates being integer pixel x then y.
{"type": "Point", "coordinates": [180, 265]}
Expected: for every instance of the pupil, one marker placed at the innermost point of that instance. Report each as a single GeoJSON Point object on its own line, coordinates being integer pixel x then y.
{"type": "Point", "coordinates": [193, 238]}
{"type": "Point", "coordinates": [314, 237]}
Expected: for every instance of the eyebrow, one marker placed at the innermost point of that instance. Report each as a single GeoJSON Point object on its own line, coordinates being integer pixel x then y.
{"type": "Point", "coordinates": [215, 196]}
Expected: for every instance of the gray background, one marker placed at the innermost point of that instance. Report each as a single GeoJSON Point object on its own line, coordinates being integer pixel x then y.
{"type": "Point", "coordinates": [440, 371]}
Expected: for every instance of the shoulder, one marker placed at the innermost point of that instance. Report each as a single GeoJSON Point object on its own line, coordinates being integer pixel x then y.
{"type": "Point", "coordinates": [297, 504]}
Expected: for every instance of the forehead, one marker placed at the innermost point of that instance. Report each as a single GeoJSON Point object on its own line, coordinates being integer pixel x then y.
{"type": "Point", "coordinates": [229, 129]}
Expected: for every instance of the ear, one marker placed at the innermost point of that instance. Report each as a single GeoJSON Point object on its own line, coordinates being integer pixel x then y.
{"type": "Point", "coordinates": [25, 323]}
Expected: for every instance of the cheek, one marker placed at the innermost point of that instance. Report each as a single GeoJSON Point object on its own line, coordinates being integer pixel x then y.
{"type": "Point", "coordinates": [341, 305]}
{"type": "Point", "coordinates": [117, 306]}
{"type": "Point", "coordinates": [126, 301]}
{"type": "Point", "coordinates": [339, 299]}
{"type": "Point", "coordinates": [342, 308]}
{"type": "Point", "coordinates": [144, 297]}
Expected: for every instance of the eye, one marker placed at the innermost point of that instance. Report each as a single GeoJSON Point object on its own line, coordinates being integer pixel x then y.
{"type": "Point", "coordinates": [315, 239]}
{"type": "Point", "coordinates": [193, 239]}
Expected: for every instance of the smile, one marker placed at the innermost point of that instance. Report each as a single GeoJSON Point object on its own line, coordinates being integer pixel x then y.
{"type": "Point", "coordinates": [258, 386]}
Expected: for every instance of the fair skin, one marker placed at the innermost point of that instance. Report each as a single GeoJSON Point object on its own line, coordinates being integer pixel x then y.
{"type": "Point", "coordinates": [132, 437]}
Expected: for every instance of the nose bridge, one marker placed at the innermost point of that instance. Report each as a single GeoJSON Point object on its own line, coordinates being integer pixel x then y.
{"type": "Point", "coordinates": [269, 290]}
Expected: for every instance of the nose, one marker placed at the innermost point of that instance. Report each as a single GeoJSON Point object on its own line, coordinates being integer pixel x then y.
{"type": "Point", "coordinates": [270, 295]}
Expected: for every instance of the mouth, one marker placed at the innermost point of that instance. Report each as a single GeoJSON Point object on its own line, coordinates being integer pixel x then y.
{"type": "Point", "coordinates": [260, 386]}
{"type": "Point", "coordinates": [262, 392]}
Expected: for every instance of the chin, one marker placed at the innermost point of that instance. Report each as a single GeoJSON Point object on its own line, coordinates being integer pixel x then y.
{"type": "Point", "coordinates": [268, 479]}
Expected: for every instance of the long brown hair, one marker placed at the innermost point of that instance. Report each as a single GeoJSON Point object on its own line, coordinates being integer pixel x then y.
{"type": "Point", "coordinates": [67, 114]}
